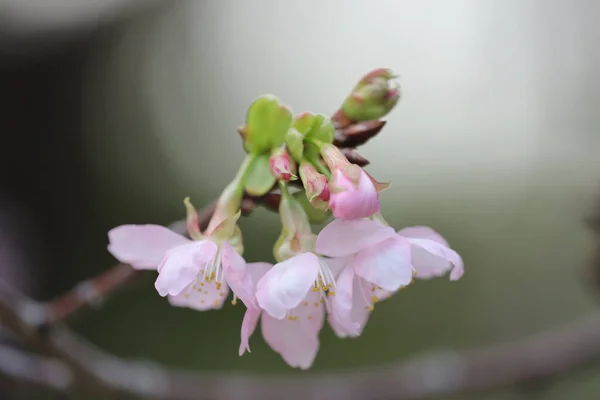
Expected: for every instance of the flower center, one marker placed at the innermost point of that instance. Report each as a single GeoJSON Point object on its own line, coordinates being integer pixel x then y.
{"type": "Point", "coordinates": [325, 282]}
{"type": "Point", "coordinates": [214, 269]}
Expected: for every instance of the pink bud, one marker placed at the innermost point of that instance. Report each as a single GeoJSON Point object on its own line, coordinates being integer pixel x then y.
{"type": "Point", "coordinates": [282, 166]}
{"type": "Point", "coordinates": [315, 185]}
{"type": "Point", "coordinates": [353, 194]}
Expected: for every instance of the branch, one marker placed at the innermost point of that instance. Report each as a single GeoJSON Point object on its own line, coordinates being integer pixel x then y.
{"type": "Point", "coordinates": [78, 365]}
{"type": "Point", "coordinates": [92, 291]}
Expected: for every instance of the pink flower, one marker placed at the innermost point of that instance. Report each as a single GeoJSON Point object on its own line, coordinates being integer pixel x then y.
{"type": "Point", "coordinates": [293, 296]}
{"type": "Point", "coordinates": [194, 274]}
{"type": "Point", "coordinates": [353, 194]}
{"type": "Point", "coordinates": [296, 337]}
{"type": "Point", "coordinates": [378, 262]}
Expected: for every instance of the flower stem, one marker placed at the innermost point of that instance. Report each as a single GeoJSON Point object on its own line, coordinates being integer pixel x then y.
{"type": "Point", "coordinates": [231, 198]}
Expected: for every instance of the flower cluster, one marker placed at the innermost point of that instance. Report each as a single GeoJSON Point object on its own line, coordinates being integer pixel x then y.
{"type": "Point", "coordinates": [339, 274]}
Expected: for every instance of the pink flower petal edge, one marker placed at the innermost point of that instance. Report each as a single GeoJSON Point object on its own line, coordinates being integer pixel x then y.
{"type": "Point", "coordinates": [142, 246]}
{"type": "Point", "coordinates": [341, 238]}
{"type": "Point", "coordinates": [431, 254]}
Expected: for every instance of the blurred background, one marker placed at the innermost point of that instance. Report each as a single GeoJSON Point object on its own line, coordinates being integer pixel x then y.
{"type": "Point", "coordinates": [114, 111]}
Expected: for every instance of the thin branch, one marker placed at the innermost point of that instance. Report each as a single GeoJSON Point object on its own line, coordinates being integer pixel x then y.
{"type": "Point", "coordinates": [94, 290]}
{"type": "Point", "coordinates": [445, 372]}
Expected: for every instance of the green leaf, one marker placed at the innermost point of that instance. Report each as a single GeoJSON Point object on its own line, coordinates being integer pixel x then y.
{"type": "Point", "coordinates": [267, 123]}
{"type": "Point", "coordinates": [260, 180]}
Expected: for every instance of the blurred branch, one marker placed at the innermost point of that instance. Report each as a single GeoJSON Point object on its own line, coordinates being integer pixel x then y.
{"type": "Point", "coordinates": [71, 364]}
{"type": "Point", "coordinates": [92, 291]}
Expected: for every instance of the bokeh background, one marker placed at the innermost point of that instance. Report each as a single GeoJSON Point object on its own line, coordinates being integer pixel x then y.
{"type": "Point", "coordinates": [113, 115]}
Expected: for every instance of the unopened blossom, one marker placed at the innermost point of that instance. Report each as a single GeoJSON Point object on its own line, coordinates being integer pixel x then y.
{"type": "Point", "coordinates": [282, 166]}
{"type": "Point", "coordinates": [373, 97]}
{"type": "Point", "coordinates": [295, 338]}
{"type": "Point", "coordinates": [315, 185]}
{"type": "Point", "coordinates": [353, 193]}
{"type": "Point", "coordinates": [192, 273]}
{"type": "Point", "coordinates": [378, 262]}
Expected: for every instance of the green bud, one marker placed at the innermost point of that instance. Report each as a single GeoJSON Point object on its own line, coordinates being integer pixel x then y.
{"type": "Point", "coordinates": [375, 95]}
{"type": "Point", "coordinates": [267, 124]}
{"type": "Point", "coordinates": [315, 126]}
{"type": "Point", "coordinates": [260, 179]}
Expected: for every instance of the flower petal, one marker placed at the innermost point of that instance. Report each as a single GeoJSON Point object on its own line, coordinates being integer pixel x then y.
{"type": "Point", "coordinates": [335, 265]}
{"type": "Point", "coordinates": [286, 285]}
{"type": "Point", "coordinates": [248, 326]}
{"type": "Point", "coordinates": [342, 238]}
{"type": "Point", "coordinates": [310, 314]}
{"type": "Point", "coordinates": [142, 246]}
{"type": "Point", "coordinates": [297, 348]}
{"type": "Point", "coordinates": [182, 265]}
{"type": "Point", "coordinates": [352, 310]}
{"type": "Point", "coordinates": [387, 264]}
{"type": "Point", "coordinates": [257, 270]}
{"type": "Point", "coordinates": [237, 275]}
{"type": "Point", "coordinates": [350, 200]}
{"type": "Point", "coordinates": [422, 232]}
{"type": "Point", "coordinates": [432, 259]}
{"type": "Point", "coordinates": [201, 296]}
{"type": "Point", "coordinates": [341, 305]}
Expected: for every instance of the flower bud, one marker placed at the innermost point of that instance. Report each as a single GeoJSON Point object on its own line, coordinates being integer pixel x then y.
{"type": "Point", "coordinates": [353, 194]}
{"type": "Point", "coordinates": [315, 126]}
{"type": "Point", "coordinates": [315, 185]}
{"type": "Point", "coordinates": [296, 236]}
{"type": "Point", "coordinates": [334, 157]}
{"type": "Point", "coordinates": [282, 167]}
{"type": "Point", "coordinates": [373, 97]}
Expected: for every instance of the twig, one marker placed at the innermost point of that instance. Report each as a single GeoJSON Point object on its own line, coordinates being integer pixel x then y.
{"type": "Point", "coordinates": [92, 291]}
{"type": "Point", "coordinates": [443, 372]}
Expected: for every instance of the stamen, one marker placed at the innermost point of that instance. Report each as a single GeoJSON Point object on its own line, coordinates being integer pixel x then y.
{"type": "Point", "coordinates": [325, 282]}
{"type": "Point", "coordinates": [292, 315]}
{"type": "Point", "coordinates": [367, 297]}
{"type": "Point", "coordinates": [213, 271]}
